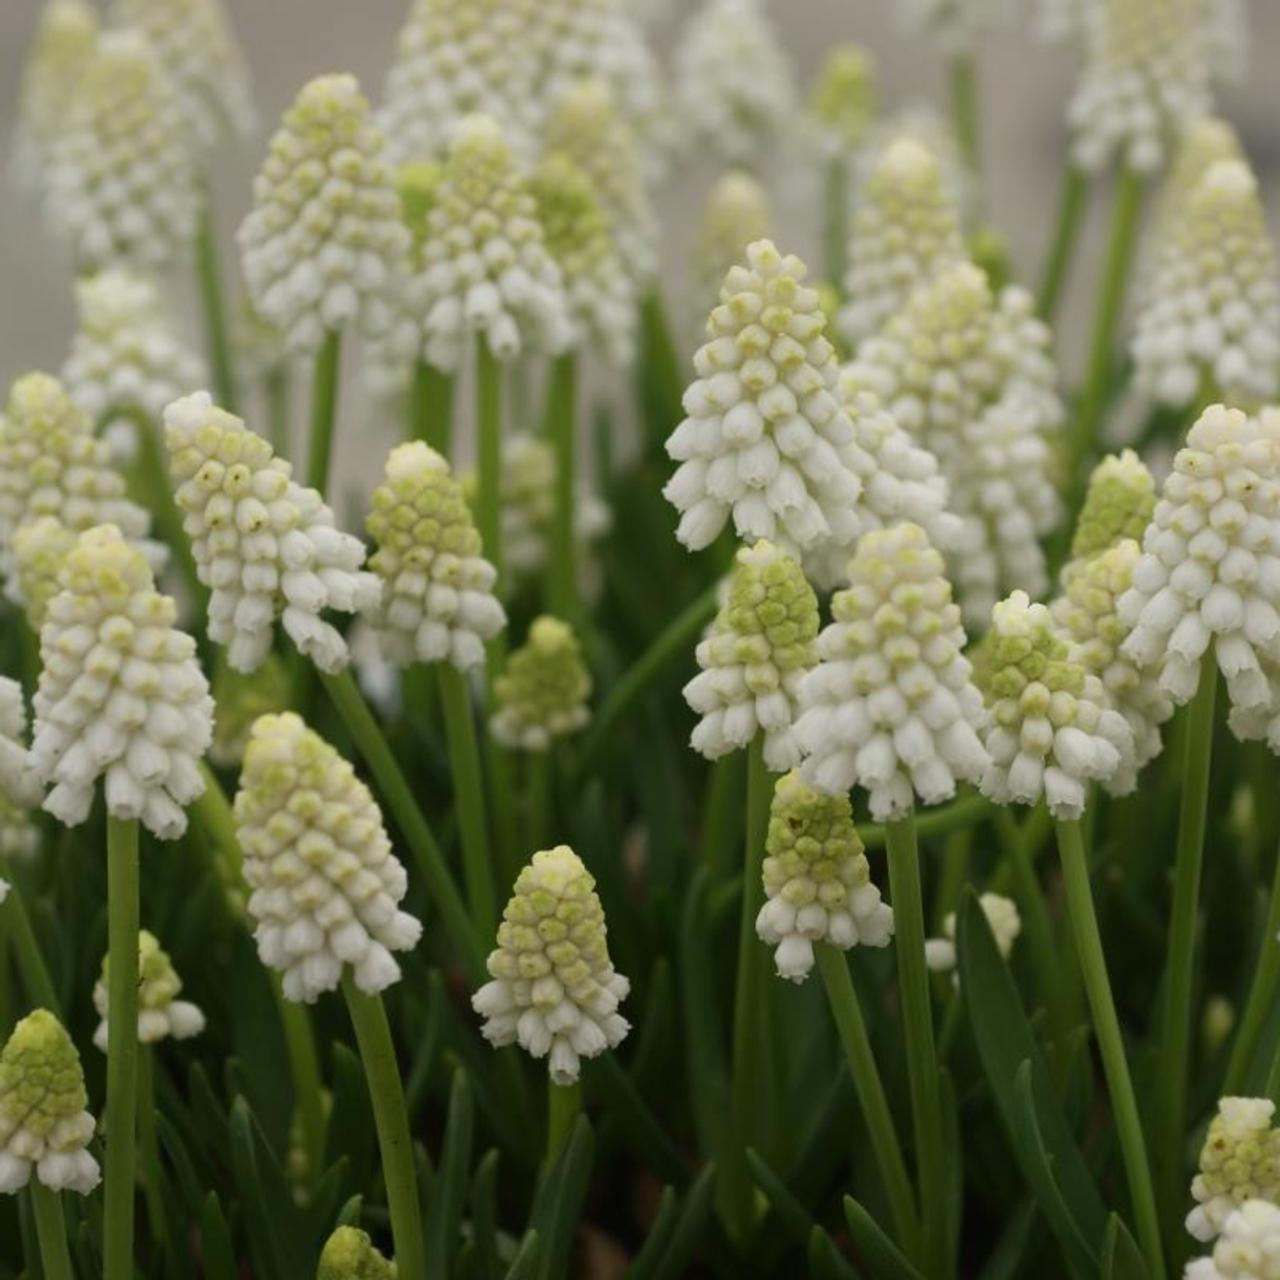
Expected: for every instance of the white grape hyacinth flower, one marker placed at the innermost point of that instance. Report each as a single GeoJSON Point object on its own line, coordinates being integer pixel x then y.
{"type": "Point", "coordinates": [1240, 1161]}
{"type": "Point", "coordinates": [737, 212]}
{"type": "Point", "coordinates": [542, 692]}
{"type": "Point", "coordinates": [1248, 1249]}
{"type": "Point", "coordinates": [891, 705]}
{"type": "Point", "coordinates": [121, 695]}
{"type": "Point", "coordinates": [1003, 919]}
{"type": "Point", "coordinates": [264, 545]}
{"type": "Point", "coordinates": [766, 433]}
{"type": "Point", "coordinates": [817, 881]}
{"type": "Point", "coordinates": [17, 786]}
{"type": "Point", "coordinates": [955, 26]}
{"type": "Point", "coordinates": [161, 1015]}
{"type": "Point", "coordinates": [554, 990]}
{"type": "Point", "coordinates": [325, 885]}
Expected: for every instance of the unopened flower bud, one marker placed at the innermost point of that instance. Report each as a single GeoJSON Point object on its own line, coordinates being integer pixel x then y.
{"type": "Point", "coordinates": [161, 1014]}
{"type": "Point", "coordinates": [542, 692]}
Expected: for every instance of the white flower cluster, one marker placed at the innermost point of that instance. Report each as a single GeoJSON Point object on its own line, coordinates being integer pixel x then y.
{"type": "Point", "coordinates": [1118, 505]}
{"type": "Point", "coordinates": [120, 181]}
{"type": "Point", "coordinates": [44, 1126]}
{"type": "Point", "coordinates": [554, 990]}
{"type": "Point", "coordinates": [38, 549]}
{"type": "Point", "coordinates": [324, 245]}
{"type": "Point", "coordinates": [733, 84]}
{"type": "Point", "coordinates": [438, 601]}
{"type": "Point", "coordinates": [326, 886]}
{"type": "Point", "coordinates": [842, 100]}
{"type": "Point", "coordinates": [161, 1014]}
{"type": "Point", "coordinates": [1051, 730]}
{"type": "Point", "coordinates": [1249, 1248]}
{"type": "Point", "coordinates": [482, 264]}
{"type": "Point", "coordinates": [1240, 1161]}
{"type": "Point", "coordinates": [17, 787]}
{"type": "Point", "coordinates": [817, 881]}
{"type": "Point", "coordinates": [542, 692]}
{"type": "Point", "coordinates": [1145, 77]}
{"type": "Point", "coordinates": [905, 228]}
{"type": "Point", "coordinates": [955, 25]}
{"type": "Point", "coordinates": [1212, 313]}
{"type": "Point", "coordinates": [891, 705]}
{"type": "Point", "coordinates": [1003, 918]}
{"type": "Point", "coordinates": [121, 694]}
{"type": "Point", "coordinates": [349, 1254]}
{"type": "Point", "coordinates": [1061, 20]}
{"type": "Point", "coordinates": [197, 48]}
{"type": "Point", "coordinates": [126, 356]}
{"type": "Point", "coordinates": [1205, 142]}
{"type": "Point", "coordinates": [753, 658]}
{"type": "Point", "coordinates": [265, 546]}
{"type": "Point", "coordinates": [737, 213]}
{"type": "Point", "coordinates": [766, 434]}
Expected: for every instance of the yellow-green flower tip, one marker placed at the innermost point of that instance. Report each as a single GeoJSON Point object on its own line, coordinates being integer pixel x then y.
{"type": "Point", "coordinates": [1240, 1161]}
{"type": "Point", "coordinates": [41, 1080]}
{"type": "Point", "coordinates": [349, 1254]}
{"type": "Point", "coordinates": [1025, 649]}
{"type": "Point", "coordinates": [418, 184]}
{"type": "Point", "coordinates": [542, 694]}
{"type": "Point", "coordinates": [844, 94]}
{"type": "Point", "coordinates": [570, 213]}
{"type": "Point", "coordinates": [39, 549]}
{"type": "Point", "coordinates": [328, 111]}
{"type": "Point", "coordinates": [1119, 503]}
{"type": "Point", "coordinates": [63, 47]}
{"type": "Point", "coordinates": [241, 697]}
{"type": "Point", "coordinates": [771, 612]}
{"type": "Point", "coordinates": [160, 1013]}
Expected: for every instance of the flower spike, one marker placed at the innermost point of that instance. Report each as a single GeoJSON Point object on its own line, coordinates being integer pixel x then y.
{"type": "Point", "coordinates": [542, 692]}
{"type": "Point", "coordinates": [161, 1014]}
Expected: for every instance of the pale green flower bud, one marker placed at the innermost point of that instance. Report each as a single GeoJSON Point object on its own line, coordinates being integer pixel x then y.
{"type": "Point", "coordinates": [817, 881]}
{"type": "Point", "coordinates": [44, 1125]}
{"type": "Point", "coordinates": [554, 990]}
{"type": "Point", "coordinates": [160, 1013]}
{"type": "Point", "coordinates": [1240, 1161]}
{"type": "Point", "coordinates": [842, 99]}
{"type": "Point", "coordinates": [737, 213]}
{"type": "Point", "coordinates": [1217, 1023]}
{"type": "Point", "coordinates": [241, 697]}
{"type": "Point", "coordinates": [543, 690]}
{"type": "Point", "coordinates": [349, 1254]}
{"type": "Point", "coordinates": [1119, 504]}
{"type": "Point", "coordinates": [1003, 918]}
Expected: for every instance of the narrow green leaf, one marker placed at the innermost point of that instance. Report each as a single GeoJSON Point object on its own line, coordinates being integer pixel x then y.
{"type": "Point", "coordinates": [655, 1241]}
{"type": "Point", "coordinates": [351, 1131]}
{"type": "Point", "coordinates": [791, 1213]}
{"type": "Point", "coordinates": [524, 1266]}
{"type": "Point", "coordinates": [826, 1262]}
{"type": "Point", "coordinates": [689, 1229]}
{"type": "Point", "coordinates": [1121, 1257]}
{"type": "Point", "coordinates": [351, 1213]}
{"type": "Point", "coordinates": [630, 1111]}
{"type": "Point", "coordinates": [885, 1259]}
{"type": "Point", "coordinates": [1009, 1259]}
{"type": "Point", "coordinates": [558, 1204]}
{"type": "Point", "coordinates": [449, 1190]}
{"type": "Point", "coordinates": [706, 1073]}
{"type": "Point", "coordinates": [484, 1216]}
{"type": "Point", "coordinates": [216, 1250]}
{"type": "Point", "coordinates": [274, 1225]}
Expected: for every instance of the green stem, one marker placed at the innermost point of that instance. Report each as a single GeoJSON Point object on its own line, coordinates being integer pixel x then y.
{"type": "Point", "coordinates": [35, 973]}
{"type": "Point", "coordinates": [378, 1054]}
{"type": "Point", "coordinates": [940, 821]}
{"type": "Point", "coordinates": [324, 410]}
{"type": "Point", "coordinates": [564, 1102]}
{"type": "Point", "coordinates": [538, 780]}
{"type": "Point", "coordinates": [431, 408]}
{"type": "Point", "coordinates": [213, 307]}
{"type": "Point", "coordinates": [837, 221]}
{"type": "Point", "coordinates": [277, 390]}
{"type": "Point", "coordinates": [1175, 1039]}
{"type": "Point", "coordinates": [562, 428]}
{"type": "Point", "coordinates": [51, 1228]}
{"type": "Point", "coordinates": [148, 1147]}
{"type": "Point", "coordinates": [1106, 1026]}
{"type": "Point", "coordinates": [308, 1085]}
{"type": "Point", "coordinates": [922, 1058]}
{"type": "Point", "coordinates": [1066, 236]}
{"type": "Point", "coordinates": [489, 453]}
{"type": "Point", "coordinates": [1261, 999]}
{"type": "Point", "coordinates": [395, 790]}
{"type": "Point", "coordinates": [212, 811]}
{"type": "Point", "coordinates": [468, 795]}
{"type": "Point", "coordinates": [966, 114]}
{"type": "Point", "coordinates": [871, 1095]}
{"type": "Point", "coordinates": [658, 370]}
{"type": "Point", "coordinates": [122, 1046]}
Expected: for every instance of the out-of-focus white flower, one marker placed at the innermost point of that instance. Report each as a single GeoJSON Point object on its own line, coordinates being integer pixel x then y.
{"type": "Point", "coordinates": [554, 990]}
{"type": "Point", "coordinates": [195, 43]}
{"type": "Point", "coordinates": [241, 698]}
{"type": "Point", "coordinates": [1118, 505]}
{"type": "Point", "coordinates": [63, 47]}
{"type": "Point", "coordinates": [121, 694]}
{"type": "Point", "coordinates": [905, 229]}
{"type": "Point", "coordinates": [843, 99]}
{"type": "Point", "coordinates": [38, 549]}
{"type": "Point", "coordinates": [955, 25]}
{"type": "Point", "coordinates": [753, 658]}
{"type": "Point", "coordinates": [44, 1126]}
{"type": "Point", "coordinates": [324, 246]}
{"type": "Point", "coordinates": [349, 1254]}
{"type": "Point", "coordinates": [734, 91]}
{"type": "Point", "coordinates": [1145, 79]}
{"type": "Point", "coordinates": [766, 432]}
{"type": "Point", "coordinates": [19, 836]}
{"type": "Point", "coordinates": [1240, 1161]}
{"type": "Point", "coordinates": [1209, 572]}
{"type": "Point", "coordinates": [160, 1013]}
{"type": "Point", "coordinates": [17, 787]}
{"type": "Point", "coordinates": [891, 705]}
{"type": "Point", "coordinates": [542, 692]}
{"type": "Point", "coordinates": [1212, 310]}
{"type": "Point", "coordinates": [737, 213]}
{"type": "Point", "coordinates": [120, 180]}
{"type": "Point", "coordinates": [817, 881]}
{"type": "Point", "coordinates": [928, 128]}
{"type": "Point", "coordinates": [1006, 924]}
{"type": "Point", "coordinates": [437, 589]}
{"type": "Point", "coordinates": [126, 356]}
{"type": "Point", "coordinates": [1249, 1248]}
{"type": "Point", "coordinates": [326, 886]}
{"type": "Point", "coordinates": [1228, 36]}
{"type": "Point", "coordinates": [265, 546]}
{"type": "Point", "coordinates": [1061, 20]}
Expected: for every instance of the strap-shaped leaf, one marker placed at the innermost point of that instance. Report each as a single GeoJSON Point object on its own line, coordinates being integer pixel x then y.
{"type": "Point", "coordinates": [216, 1249]}
{"type": "Point", "coordinates": [1121, 1257]}
{"type": "Point", "coordinates": [444, 1215]}
{"type": "Point", "coordinates": [884, 1259]}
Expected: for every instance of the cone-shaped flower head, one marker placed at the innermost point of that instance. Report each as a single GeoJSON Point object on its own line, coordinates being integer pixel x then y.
{"type": "Point", "coordinates": [61, 51]}
{"type": "Point", "coordinates": [483, 265]}
{"type": "Point", "coordinates": [905, 228]}
{"type": "Point", "coordinates": [324, 245]}
{"type": "Point", "coordinates": [955, 24]}
{"type": "Point", "coordinates": [754, 657]}
{"type": "Point", "coordinates": [38, 549]}
{"type": "Point", "coordinates": [817, 881]}
{"type": "Point", "coordinates": [1145, 79]}
{"type": "Point", "coordinates": [891, 706]}
{"type": "Point", "coordinates": [326, 886]}
{"type": "Point", "coordinates": [265, 546]}
{"type": "Point", "coordinates": [1051, 731]}
{"type": "Point", "coordinates": [195, 43]}
{"type": "Point", "coordinates": [842, 99]}
{"type": "Point", "coordinates": [1249, 1248]}
{"type": "Point", "coordinates": [44, 1126]}
{"type": "Point", "coordinates": [555, 991]}
{"type": "Point", "coordinates": [737, 213]}
{"type": "Point", "coordinates": [349, 1254]}
{"type": "Point", "coordinates": [1003, 919]}
{"type": "Point", "coordinates": [241, 698]}
{"type": "Point", "coordinates": [766, 433]}
{"type": "Point", "coordinates": [127, 355]}
{"type": "Point", "coordinates": [543, 690]}
{"type": "Point", "coordinates": [598, 289]}
{"type": "Point", "coordinates": [161, 1014]}
{"type": "Point", "coordinates": [1204, 143]}
{"type": "Point", "coordinates": [121, 694]}
{"type": "Point", "coordinates": [120, 184]}
{"type": "Point", "coordinates": [1119, 504]}
{"type": "Point", "coordinates": [1209, 572]}
{"type": "Point", "coordinates": [1240, 1161]}
{"type": "Point", "coordinates": [1213, 308]}
{"type": "Point", "coordinates": [437, 600]}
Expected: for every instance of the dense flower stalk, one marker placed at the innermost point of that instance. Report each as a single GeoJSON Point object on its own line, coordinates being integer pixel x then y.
{"type": "Point", "coordinates": [38, 549]}
{"type": "Point", "coordinates": [1119, 503]}
{"type": "Point", "coordinates": [161, 1015]}
{"type": "Point", "coordinates": [1249, 1248]}
{"type": "Point", "coordinates": [843, 99]}
{"type": "Point", "coordinates": [542, 692]}
{"type": "Point", "coordinates": [17, 786]}
{"type": "Point", "coordinates": [349, 1254]}
{"type": "Point", "coordinates": [738, 212]}
{"type": "Point", "coordinates": [1240, 1161]}
{"type": "Point", "coordinates": [1003, 919]}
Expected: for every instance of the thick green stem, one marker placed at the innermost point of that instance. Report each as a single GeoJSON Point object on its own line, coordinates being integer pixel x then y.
{"type": "Point", "coordinates": [1066, 236]}
{"type": "Point", "coordinates": [122, 1047]}
{"type": "Point", "coordinates": [391, 1118]}
{"type": "Point", "coordinates": [871, 1095]}
{"type": "Point", "coordinates": [489, 453]}
{"type": "Point", "coordinates": [922, 1057]}
{"type": "Point", "coordinates": [468, 797]}
{"type": "Point", "coordinates": [1175, 1039]}
{"type": "Point", "coordinates": [31, 966]}
{"type": "Point", "coordinates": [51, 1229]}
{"type": "Point", "coordinates": [539, 775]}
{"type": "Point", "coordinates": [1106, 1026]}
{"type": "Point", "coordinates": [966, 118]}
{"type": "Point", "coordinates": [562, 429]}
{"type": "Point", "coordinates": [277, 390]}
{"type": "Point", "coordinates": [324, 410]}
{"type": "Point", "coordinates": [658, 371]}
{"type": "Point", "coordinates": [149, 1148]}
{"type": "Point", "coordinates": [431, 408]}
{"type": "Point", "coordinates": [564, 1102]}
{"type": "Point", "coordinates": [1261, 999]}
{"type": "Point", "coordinates": [837, 220]}
{"type": "Point", "coordinates": [308, 1085]}
{"type": "Point", "coordinates": [213, 308]}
